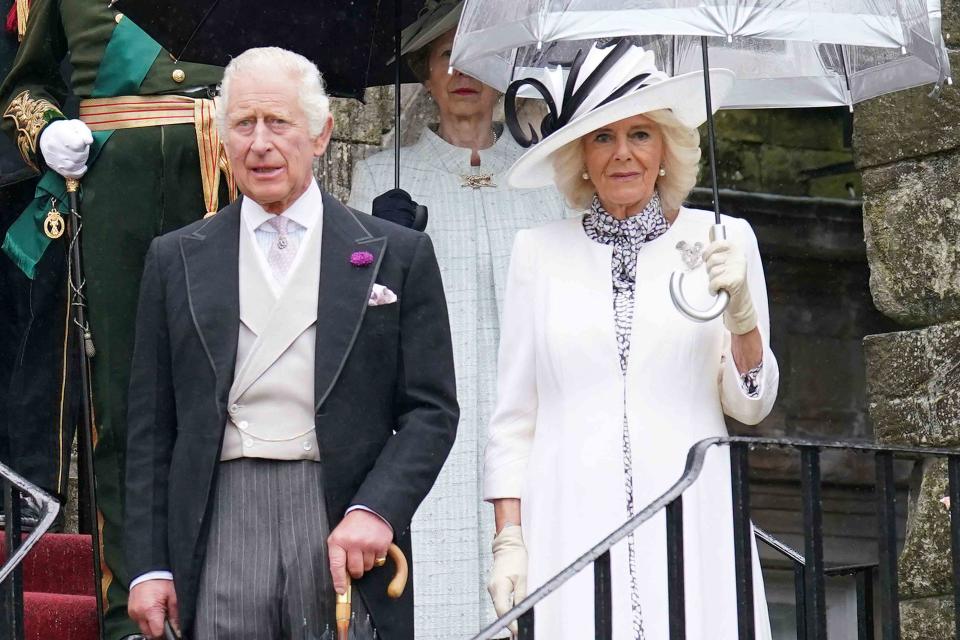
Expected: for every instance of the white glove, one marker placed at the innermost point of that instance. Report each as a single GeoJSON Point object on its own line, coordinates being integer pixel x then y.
{"type": "Point", "coordinates": [727, 268]}
{"type": "Point", "coordinates": [508, 576]}
{"type": "Point", "coordinates": [65, 145]}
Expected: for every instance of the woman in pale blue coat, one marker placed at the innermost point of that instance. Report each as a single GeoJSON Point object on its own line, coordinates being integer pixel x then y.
{"type": "Point", "coordinates": [457, 169]}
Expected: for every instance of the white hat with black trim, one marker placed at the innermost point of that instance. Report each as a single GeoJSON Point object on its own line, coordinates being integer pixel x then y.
{"type": "Point", "coordinates": [613, 81]}
{"type": "Point", "coordinates": [435, 19]}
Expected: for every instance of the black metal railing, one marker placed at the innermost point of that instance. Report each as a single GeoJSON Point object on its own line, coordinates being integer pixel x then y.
{"type": "Point", "coordinates": [809, 569]}
{"type": "Point", "coordinates": [15, 488]}
{"type": "Point", "coordinates": [864, 575]}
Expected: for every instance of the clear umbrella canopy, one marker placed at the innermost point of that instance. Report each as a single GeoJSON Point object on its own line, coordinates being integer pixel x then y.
{"type": "Point", "coordinates": [786, 53]}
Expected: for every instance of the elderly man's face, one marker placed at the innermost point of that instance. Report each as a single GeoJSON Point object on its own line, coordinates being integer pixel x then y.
{"type": "Point", "coordinates": [268, 140]}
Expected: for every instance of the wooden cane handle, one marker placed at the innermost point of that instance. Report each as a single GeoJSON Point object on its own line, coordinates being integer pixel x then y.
{"type": "Point", "coordinates": [399, 581]}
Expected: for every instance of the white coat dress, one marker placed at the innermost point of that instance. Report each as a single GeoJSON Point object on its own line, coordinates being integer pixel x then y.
{"type": "Point", "coordinates": [556, 439]}
{"type": "Point", "coordinates": [473, 232]}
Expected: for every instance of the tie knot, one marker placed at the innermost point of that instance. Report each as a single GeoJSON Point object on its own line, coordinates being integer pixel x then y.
{"type": "Point", "coordinates": [279, 223]}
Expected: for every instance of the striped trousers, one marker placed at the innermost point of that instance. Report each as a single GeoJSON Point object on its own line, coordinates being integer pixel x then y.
{"type": "Point", "coordinates": [266, 574]}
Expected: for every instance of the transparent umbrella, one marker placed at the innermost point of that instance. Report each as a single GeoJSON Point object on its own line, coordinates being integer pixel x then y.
{"type": "Point", "coordinates": [785, 53]}
{"type": "Point", "coordinates": [875, 32]}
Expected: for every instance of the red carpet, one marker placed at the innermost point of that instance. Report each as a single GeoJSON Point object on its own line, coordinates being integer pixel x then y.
{"type": "Point", "coordinates": [58, 584]}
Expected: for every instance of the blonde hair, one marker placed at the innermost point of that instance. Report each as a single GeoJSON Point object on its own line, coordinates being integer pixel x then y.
{"type": "Point", "coordinates": [270, 62]}
{"type": "Point", "coordinates": [681, 162]}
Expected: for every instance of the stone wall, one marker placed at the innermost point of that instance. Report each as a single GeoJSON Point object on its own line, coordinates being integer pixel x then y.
{"type": "Point", "coordinates": [794, 152]}
{"type": "Point", "coordinates": [908, 147]}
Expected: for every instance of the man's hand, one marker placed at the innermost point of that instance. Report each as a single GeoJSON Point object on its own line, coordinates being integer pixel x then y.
{"type": "Point", "coordinates": [150, 603]}
{"type": "Point", "coordinates": [355, 544]}
{"type": "Point", "coordinates": [65, 145]}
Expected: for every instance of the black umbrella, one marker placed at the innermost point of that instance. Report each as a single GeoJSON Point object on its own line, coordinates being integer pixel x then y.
{"type": "Point", "coordinates": [351, 41]}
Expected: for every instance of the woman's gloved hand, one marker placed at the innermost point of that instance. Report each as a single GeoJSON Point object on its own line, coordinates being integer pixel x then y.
{"type": "Point", "coordinates": [508, 577]}
{"type": "Point", "coordinates": [398, 207]}
{"type": "Point", "coordinates": [65, 145]}
{"type": "Point", "coordinates": [727, 269]}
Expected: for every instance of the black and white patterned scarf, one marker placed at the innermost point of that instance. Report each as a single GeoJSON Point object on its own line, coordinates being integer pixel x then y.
{"type": "Point", "coordinates": [627, 237]}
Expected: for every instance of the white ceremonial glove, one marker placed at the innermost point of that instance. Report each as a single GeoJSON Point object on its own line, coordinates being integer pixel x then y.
{"type": "Point", "coordinates": [508, 576]}
{"type": "Point", "coordinates": [727, 268]}
{"type": "Point", "coordinates": [65, 145]}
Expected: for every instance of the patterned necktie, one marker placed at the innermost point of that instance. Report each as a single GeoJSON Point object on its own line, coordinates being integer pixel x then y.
{"type": "Point", "coordinates": [282, 250]}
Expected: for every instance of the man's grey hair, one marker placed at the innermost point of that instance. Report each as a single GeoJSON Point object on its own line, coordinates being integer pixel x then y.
{"type": "Point", "coordinates": [269, 62]}
{"type": "Point", "coordinates": [681, 161]}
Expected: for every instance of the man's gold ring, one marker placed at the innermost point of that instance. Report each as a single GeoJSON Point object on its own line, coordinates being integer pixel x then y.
{"type": "Point", "coordinates": [380, 561]}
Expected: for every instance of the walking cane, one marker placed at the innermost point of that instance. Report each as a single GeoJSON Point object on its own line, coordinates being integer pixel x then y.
{"type": "Point", "coordinates": [394, 590]}
{"type": "Point", "coordinates": [86, 351]}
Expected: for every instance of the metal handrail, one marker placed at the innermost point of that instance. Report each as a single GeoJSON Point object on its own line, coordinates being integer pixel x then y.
{"type": "Point", "coordinates": [49, 507]}
{"type": "Point", "coordinates": [522, 611]}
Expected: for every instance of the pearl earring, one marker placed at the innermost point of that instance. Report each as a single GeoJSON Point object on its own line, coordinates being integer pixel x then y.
{"type": "Point", "coordinates": [585, 175]}
{"type": "Point", "coordinates": [662, 172]}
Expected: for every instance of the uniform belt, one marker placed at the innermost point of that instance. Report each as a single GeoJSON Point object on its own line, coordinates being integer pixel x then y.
{"type": "Point", "coordinates": [131, 112]}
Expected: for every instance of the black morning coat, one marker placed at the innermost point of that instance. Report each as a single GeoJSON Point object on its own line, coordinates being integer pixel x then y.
{"type": "Point", "coordinates": [386, 409]}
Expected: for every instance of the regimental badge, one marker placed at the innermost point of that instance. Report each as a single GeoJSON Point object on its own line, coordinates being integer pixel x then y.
{"type": "Point", "coordinates": [477, 180]}
{"type": "Point", "coordinates": [53, 224]}
{"type": "Point", "coordinates": [691, 254]}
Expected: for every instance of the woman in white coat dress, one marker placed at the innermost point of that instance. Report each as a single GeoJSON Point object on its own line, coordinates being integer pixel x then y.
{"type": "Point", "coordinates": [458, 169]}
{"type": "Point", "coordinates": [603, 385]}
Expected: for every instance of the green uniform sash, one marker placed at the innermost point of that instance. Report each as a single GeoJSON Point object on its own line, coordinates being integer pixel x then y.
{"type": "Point", "coordinates": [126, 61]}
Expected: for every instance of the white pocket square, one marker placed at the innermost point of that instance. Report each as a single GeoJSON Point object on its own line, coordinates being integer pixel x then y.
{"type": "Point", "coordinates": [381, 295]}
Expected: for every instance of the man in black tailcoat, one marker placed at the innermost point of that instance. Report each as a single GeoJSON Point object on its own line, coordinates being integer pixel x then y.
{"type": "Point", "coordinates": [292, 396]}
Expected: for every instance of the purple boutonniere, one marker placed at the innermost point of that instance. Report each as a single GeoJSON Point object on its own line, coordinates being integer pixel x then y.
{"type": "Point", "coordinates": [361, 258]}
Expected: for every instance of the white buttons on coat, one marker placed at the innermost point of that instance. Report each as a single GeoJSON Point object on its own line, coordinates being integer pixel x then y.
{"type": "Point", "coordinates": [248, 442]}
{"type": "Point", "coordinates": [307, 445]}
{"type": "Point", "coordinates": [243, 424]}
{"type": "Point", "coordinates": [234, 408]}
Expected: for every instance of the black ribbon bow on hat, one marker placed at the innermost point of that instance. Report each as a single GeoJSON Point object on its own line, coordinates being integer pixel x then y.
{"type": "Point", "coordinates": [572, 99]}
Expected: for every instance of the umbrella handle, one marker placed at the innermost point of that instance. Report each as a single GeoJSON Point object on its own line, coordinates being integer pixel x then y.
{"type": "Point", "coordinates": [721, 300]}
{"type": "Point", "coordinates": [399, 581]}
{"type": "Point", "coordinates": [394, 590]}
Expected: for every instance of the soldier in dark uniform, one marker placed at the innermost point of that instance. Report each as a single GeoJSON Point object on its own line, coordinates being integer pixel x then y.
{"type": "Point", "coordinates": [158, 170]}
{"type": "Point", "coordinates": [37, 417]}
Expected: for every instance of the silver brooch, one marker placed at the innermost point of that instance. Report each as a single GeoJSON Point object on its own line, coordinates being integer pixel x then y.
{"type": "Point", "coordinates": [477, 180]}
{"type": "Point", "coordinates": [691, 254]}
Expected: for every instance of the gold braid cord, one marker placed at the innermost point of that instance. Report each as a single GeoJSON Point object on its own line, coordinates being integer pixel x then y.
{"type": "Point", "coordinates": [214, 161]}
{"type": "Point", "coordinates": [30, 116]}
{"type": "Point", "coordinates": [23, 14]}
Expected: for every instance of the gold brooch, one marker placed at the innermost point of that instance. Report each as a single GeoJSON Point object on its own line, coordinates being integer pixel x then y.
{"type": "Point", "coordinates": [475, 181]}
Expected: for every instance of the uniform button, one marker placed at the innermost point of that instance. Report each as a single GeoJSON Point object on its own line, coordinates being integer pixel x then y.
{"type": "Point", "coordinates": [243, 425]}
{"type": "Point", "coordinates": [178, 75]}
{"type": "Point", "coordinates": [307, 446]}
{"type": "Point", "coordinates": [117, 18]}
{"type": "Point", "coordinates": [248, 442]}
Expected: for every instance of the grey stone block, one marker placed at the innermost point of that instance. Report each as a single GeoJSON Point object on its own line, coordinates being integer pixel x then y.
{"type": "Point", "coordinates": [926, 562]}
{"type": "Point", "coordinates": [927, 619]}
{"type": "Point", "coordinates": [911, 223]}
{"type": "Point", "coordinates": [907, 124]}
{"type": "Point", "coordinates": [951, 22]}
{"type": "Point", "coordinates": [913, 386]}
